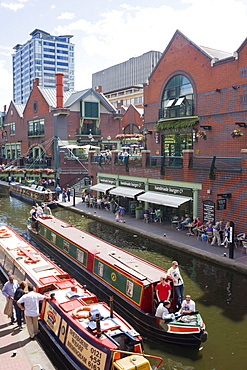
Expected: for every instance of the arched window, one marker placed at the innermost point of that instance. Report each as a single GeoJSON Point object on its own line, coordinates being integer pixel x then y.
{"type": "Point", "coordinates": [178, 98]}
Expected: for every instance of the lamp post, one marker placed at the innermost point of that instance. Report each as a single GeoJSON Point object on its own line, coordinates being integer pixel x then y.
{"type": "Point", "coordinates": [145, 132]}
{"type": "Point", "coordinates": [108, 139]}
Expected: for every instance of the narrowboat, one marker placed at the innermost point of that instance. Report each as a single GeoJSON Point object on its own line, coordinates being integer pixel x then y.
{"type": "Point", "coordinates": [88, 333]}
{"type": "Point", "coordinates": [109, 270]}
{"type": "Point", "coordinates": [33, 194]}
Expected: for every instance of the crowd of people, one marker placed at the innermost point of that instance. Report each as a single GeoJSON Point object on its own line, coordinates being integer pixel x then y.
{"type": "Point", "coordinates": [21, 301]}
{"type": "Point", "coordinates": [37, 211]}
{"type": "Point", "coordinates": [163, 291]}
{"type": "Point", "coordinates": [65, 192]}
{"type": "Point", "coordinates": [215, 233]}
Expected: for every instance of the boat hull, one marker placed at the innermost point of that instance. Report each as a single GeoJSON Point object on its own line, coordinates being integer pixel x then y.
{"type": "Point", "coordinates": [149, 327]}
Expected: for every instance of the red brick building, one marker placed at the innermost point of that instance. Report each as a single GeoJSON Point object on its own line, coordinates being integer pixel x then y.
{"type": "Point", "coordinates": [195, 109]}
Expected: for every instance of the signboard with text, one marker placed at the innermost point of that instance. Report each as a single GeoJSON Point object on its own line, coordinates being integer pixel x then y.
{"type": "Point", "coordinates": [208, 211]}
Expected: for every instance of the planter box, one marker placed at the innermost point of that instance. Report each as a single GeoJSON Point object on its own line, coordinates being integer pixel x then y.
{"type": "Point", "coordinates": [139, 213]}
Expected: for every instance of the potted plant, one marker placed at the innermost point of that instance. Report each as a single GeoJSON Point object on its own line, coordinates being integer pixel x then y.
{"type": "Point", "coordinates": [139, 212]}
{"type": "Point", "coordinates": [112, 205]}
{"type": "Point", "coordinates": [201, 135]}
{"type": "Point", "coordinates": [236, 133]}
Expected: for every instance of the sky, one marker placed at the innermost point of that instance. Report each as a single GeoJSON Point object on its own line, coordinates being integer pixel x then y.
{"type": "Point", "coordinates": [108, 32]}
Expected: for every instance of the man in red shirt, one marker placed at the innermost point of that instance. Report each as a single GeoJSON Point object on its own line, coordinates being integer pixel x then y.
{"type": "Point", "coordinates": [163, 290]}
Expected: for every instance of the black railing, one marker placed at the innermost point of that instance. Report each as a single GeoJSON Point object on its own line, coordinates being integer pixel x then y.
{"type": "Point", "coordinates": [221, 163]}
{"type": "Point", "coordinates": [36, 132]}
{"type": "Point", "coordinates": [176, 112]}
{"type": "Point", "coordinates": [87, 131]}
{"type": "Point", "coordinates": [165, 161]}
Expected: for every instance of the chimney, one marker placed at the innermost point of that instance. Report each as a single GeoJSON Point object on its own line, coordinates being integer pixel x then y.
{"type": "Point", "coordinates": [98, 89]}
{"type": "Point", "coordinates": [35, 82]}
{"type": "Point", "coordinates": [59, 89]}
{"type": "Point", "coordinates": [4, 108]}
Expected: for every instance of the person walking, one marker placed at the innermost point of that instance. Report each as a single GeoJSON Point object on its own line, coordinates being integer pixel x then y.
{"type": "Point", "coordinates": [178, 282]}
{"type": "Point", "coordinates": [18, 294]}
{"type": "Point", "coordinates": [58, 191]}
{"type": "Point", "coordinates": [68, 191]}
{"type": "Point", "coordinates": [31, 309]}
{"type": "Point", "coordinates": [8, 291]}
{"type": "Point", "coordinates": [217, 229]}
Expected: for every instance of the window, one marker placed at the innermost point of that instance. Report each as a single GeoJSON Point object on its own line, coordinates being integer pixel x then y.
{"type": "Point", "coordinates": [12, 128]}
{"type": "Point", "coordinates": [91, 109]}
{"type": "Point", "coordinates": [36, 127]}
{"type": "Point", "coordinates": [178, 98]}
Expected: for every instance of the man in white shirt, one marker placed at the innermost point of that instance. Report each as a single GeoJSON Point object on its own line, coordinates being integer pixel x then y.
{"type": "Point", "coordinates": [178, 282]}
{"type": "Point", "coordinates": [188, 305]}
{"type": "Point", "coordinates": [163, 311]}
{"type": "Point", "coordinates": [31, 302]}
{"type": "Point", "coordinates": [8, 291]}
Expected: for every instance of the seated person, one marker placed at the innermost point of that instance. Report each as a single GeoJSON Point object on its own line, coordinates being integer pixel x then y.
{"type": "Point", "coordinates": [188, 305]}
{"type": "Point", "coordinates": [186, 221]}
{"type": "Point", "coordinates": [147, 214]}
{"type": "Point", "coordinates": [163, 311]}
{"type": "Point", "coordinates": [197, 225]}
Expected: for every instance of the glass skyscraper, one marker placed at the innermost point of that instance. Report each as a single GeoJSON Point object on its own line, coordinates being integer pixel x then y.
{"type": "Point", "coordinates": [42, 57]}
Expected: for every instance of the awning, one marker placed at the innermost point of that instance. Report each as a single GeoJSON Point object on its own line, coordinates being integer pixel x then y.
{"type": "Point", "coordinates": [124, 191]}
{"type": "Point", "coordinates": [101, 187]}
{"type": "Point", "coordinates": [163, 199]}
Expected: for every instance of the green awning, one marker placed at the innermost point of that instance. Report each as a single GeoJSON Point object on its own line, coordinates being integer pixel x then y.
{"type": "Point", "coordinates": [176, 123]}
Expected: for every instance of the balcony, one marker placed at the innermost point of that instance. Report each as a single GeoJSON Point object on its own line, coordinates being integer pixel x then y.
{"type": "Point", "coordinates": [39, 132]}
{"type": "Point", "coordinates": [87, 131]}
{"type": "Point", "coordinates": [176, 112]}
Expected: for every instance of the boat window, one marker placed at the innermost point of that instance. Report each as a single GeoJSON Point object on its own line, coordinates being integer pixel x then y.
{"type": "Point", "coordinates": [100, 269]}
{"type": "Point", "coordinates": [20, 276]}
{"type": "Point", "coordinates": [2, 255]}
{"type": "Point", "coordinates": [8, 266]}
{"type": "Point", "coordinates": [66, 246]}
{"type": "Point", "coordinates": [129, 288]}
{"type": "Point", "coordinates": [79, 255]}
{"type": "Point", "coordinates": [53, 238]}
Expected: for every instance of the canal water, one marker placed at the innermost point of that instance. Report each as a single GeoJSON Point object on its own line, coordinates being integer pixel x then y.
{"type": "Point", "coordinates": [219, 293]}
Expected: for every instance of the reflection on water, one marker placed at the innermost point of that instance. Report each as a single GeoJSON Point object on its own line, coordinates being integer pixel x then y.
{"type": "Point", "coordinates": [219, 293]}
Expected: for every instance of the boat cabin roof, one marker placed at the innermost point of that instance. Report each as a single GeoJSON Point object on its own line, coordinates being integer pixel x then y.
{"type": "Point", "coordinates": [130, 264]}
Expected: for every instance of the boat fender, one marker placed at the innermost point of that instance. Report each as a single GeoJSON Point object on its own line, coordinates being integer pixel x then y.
{"type": "Point", "coordinates": [6, 235]}
{"type": "Point", "coordinates": [82, 312]}
{"type": "Point", "coordinates": [30, 260]}
{"type": "Point", "coordinates": [204, 336]}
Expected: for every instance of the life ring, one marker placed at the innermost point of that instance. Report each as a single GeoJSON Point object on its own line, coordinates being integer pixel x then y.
{"type": "Point", "coordinates": [3, 231]}
{"type": "Point", "coordinates": [6, 235]}
{"type": "Point", "coordinates": [82, 312]}
{"type": "Point", "coordinates": [30, 260]}
{"type": "Point", "coordinates": [20, 253]}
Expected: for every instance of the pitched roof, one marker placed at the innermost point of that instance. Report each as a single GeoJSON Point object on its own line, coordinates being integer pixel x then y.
{"type": "Point", "coordinates": [71, 97]}
{"type": "Point", "coordinates": [213, 53]}
{"type": "Point", "coordinates": [19, 108]}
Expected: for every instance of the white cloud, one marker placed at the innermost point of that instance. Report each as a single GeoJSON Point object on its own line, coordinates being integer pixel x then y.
{"type": "Point", "coordinates": [14, 6]}
{"type": "Point", "coordinates": [66, 15]}
{"type": "Point", "coordinates": [53, 6]}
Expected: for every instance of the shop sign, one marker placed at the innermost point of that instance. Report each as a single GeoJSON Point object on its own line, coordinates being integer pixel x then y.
{"type": "Point", "coordinates": [208, 211]}
{"type": "Point", "coordinates": [131, 184]}
{"type": "Point", "coordinates": [172, 190]}
{"type": "Point", "coordinates": [105, 180]}
{"type": "Point", "coordinates": [221, 204]}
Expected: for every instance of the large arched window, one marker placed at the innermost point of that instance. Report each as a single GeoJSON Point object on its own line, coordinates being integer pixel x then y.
{"type": "Point", "coordinates": [178, 98]}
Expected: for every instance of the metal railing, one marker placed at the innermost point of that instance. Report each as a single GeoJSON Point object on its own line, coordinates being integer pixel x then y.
{"type": "Point", "coordinates": [165, 161]}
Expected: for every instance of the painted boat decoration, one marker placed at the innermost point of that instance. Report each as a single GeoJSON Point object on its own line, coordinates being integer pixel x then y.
{"type": "Point", "coordinates": [34, 194]}
{"type": "Point", "coordinates": [109, 270]}
{"type": "Point", "coordinates": [88, 333]}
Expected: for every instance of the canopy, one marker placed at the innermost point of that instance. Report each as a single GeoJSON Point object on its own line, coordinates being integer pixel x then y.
{"type": "Point", "coordinates": [125, 191]}
{"type": "Point", "coordinates": [71, 146]}
{"type": "Point", "coordinates": [163, 199]}
{"type": "Point", "coordinates": [101, 187]}
{"type": "Point", "coordinates": [88, 147]}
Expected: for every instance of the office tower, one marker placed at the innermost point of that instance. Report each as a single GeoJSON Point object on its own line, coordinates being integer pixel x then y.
{"type": "Point", "coordinates": [42, 57]}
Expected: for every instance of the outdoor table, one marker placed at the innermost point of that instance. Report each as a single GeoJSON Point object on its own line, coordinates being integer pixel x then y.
{"type": "Point", "coordinates": [189, 227]}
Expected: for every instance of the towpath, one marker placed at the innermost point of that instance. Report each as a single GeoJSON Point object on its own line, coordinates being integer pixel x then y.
{"type": "Point", "coordinates": [167, 234]}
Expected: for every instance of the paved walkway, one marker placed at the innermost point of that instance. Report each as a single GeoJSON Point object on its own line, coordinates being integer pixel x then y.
{"type": "Point", "coordinates": [17, 351]}
{"type": "Point", "coordinates": [176, 239]}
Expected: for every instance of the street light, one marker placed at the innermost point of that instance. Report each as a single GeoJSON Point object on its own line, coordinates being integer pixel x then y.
{"type": "Point", "coordinates": [145, 132]}
{"type": "Point", "coordinates": [109, 139]}
{"type": "Point", "coordinates": [90, 136]}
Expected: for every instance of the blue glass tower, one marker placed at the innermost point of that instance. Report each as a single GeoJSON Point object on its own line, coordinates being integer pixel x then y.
{"type": "Point", "coordinates": [42, 57]}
